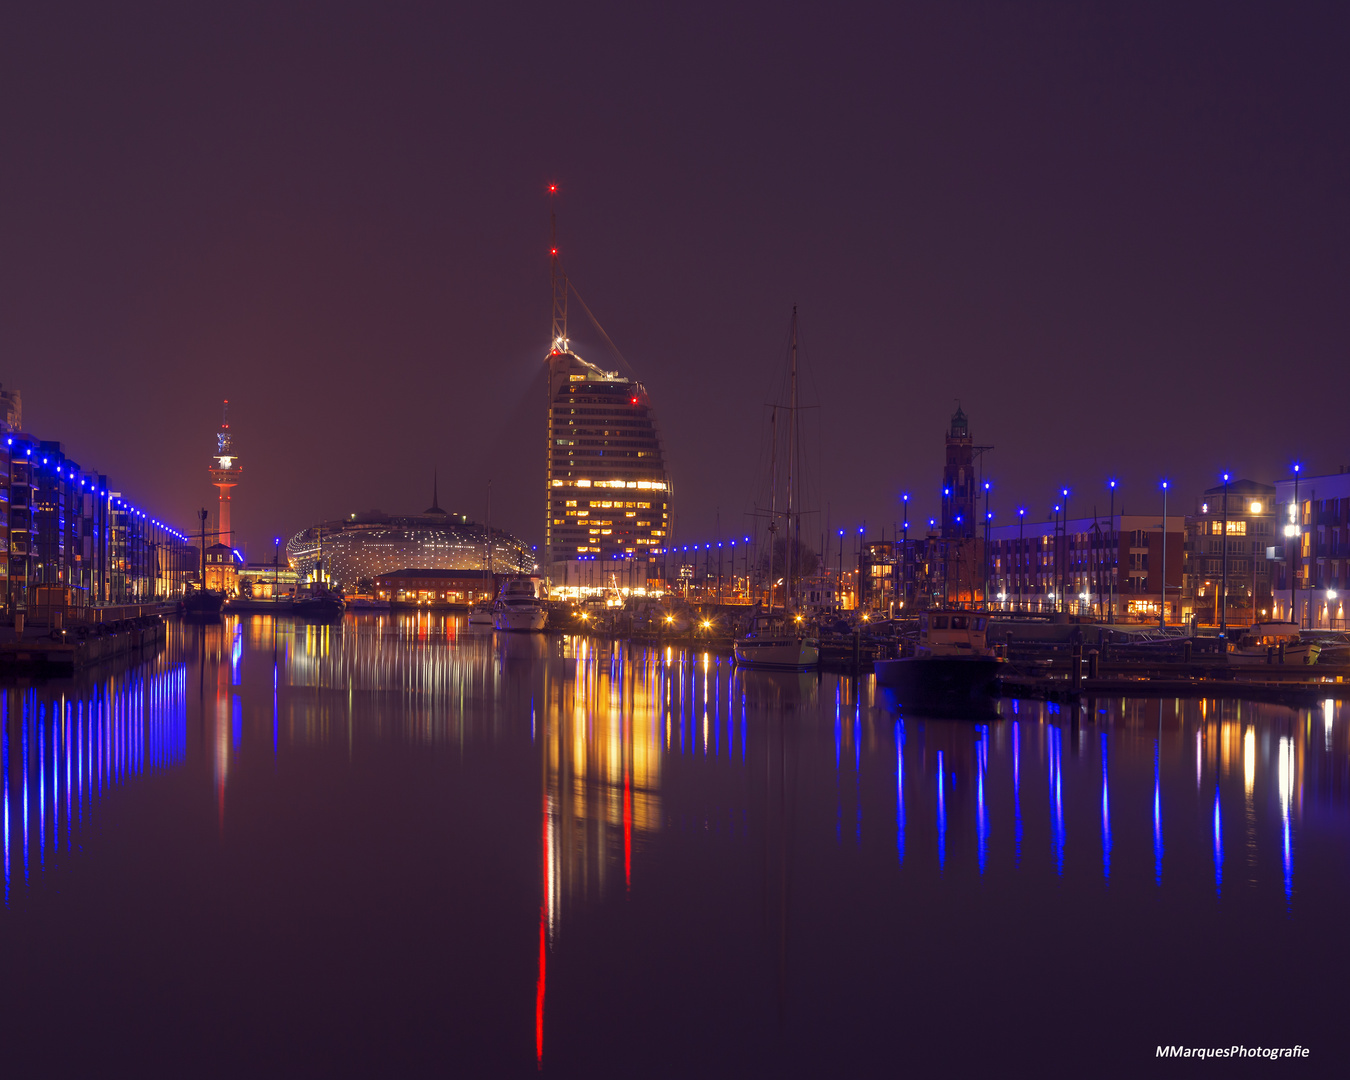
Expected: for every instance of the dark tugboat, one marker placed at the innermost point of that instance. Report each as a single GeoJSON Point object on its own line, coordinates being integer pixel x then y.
{"type": "Point", "coordinates": [952, 672]}
{"type": "Point", "coordinates": [316, 601]}
{"type": "Point", "coordinates": [199, 602]}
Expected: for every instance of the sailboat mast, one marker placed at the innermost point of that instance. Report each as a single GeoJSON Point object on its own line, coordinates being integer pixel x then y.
{"type": "Point", "coordinates": [773, 493]}
{"type": "Point", "coordinates": [792, 460]}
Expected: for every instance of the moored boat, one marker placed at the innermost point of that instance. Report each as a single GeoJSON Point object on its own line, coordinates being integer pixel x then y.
{"type": "Point", "coordinates": [779, 648]}
{"type": "Point", "coordinates": [199, 602]}
{"type": "Point", "coordinates": [319, 604]}
{"type": "Point", "coordinates": [1273, 643]}
{"type": "Point", "coordinates": [517, 607]}
{"type": "Point", "coordinates": [481, 615]}
{"type": "Point", "coordinates": [202, 603]}
{"type": "Point", "coordinates": [953, 669]}
{"type": "Point", "coordinates": [783, 641]}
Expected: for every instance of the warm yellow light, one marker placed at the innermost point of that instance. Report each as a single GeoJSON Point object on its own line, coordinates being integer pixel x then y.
{"type": "Point", "coordinates": [670, 618]}
{"type": "Point", "coordinates": [706, 624]}
{"type": "Point", "coordinates": [1256, 508]}
{"type": "Point", "coordinates": [799, 618]}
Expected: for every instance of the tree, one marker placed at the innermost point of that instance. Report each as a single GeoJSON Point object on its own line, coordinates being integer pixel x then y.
{"type": "Point", "coordinates": [805, 561]}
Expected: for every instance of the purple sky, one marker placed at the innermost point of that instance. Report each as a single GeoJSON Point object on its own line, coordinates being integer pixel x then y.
{"type": "Point", "coordinates": [1118, 234]}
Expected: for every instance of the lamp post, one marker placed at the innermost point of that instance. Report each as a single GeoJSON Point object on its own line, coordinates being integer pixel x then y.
{"type": "Point", "coordinates": [1162, 612]}
{"type": "Point", "coordinates": [1115, 555]}
{"type": "Point", "coordinates": [1223, 591]}
{"type": "Point", "coordinates": [1064, 575]}
{"type": "Point", "coordinates": [857, 564]}
{"type": "Point", "coordinates": [1056, 570]}
{"type": "Point", "coordinates": [719, 571]}
{"type": "Point", "coordinates": [984, 560]}
{"type": "Point", "coordinates": [1295, 529]}
{"type": "Point", "coordinates": [839, 581]}
{"type": "Point", "coordinates": [1021, 553]}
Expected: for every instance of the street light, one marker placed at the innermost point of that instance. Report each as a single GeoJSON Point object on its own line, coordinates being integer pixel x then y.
{"type": "Point", "coordinates": [1058, 570]}
{"type": "Point", "coordinates": [1021, 553]}
{"type": "Point", "coordinates": [985, 560]}
{"type": "Point", "coordinates": [1162, 614]}
{"type": "Point", "coordinates": [1115, 555]}
{"type": "Point", "coordinates": [1223, 589]}
{"type": "Point", "coordinates": [839, 582]}
{"type": "Point", "coordinates": [1295, 564]}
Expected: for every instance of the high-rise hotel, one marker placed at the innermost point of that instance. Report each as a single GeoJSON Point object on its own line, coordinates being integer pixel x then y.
{"type": "Point", "coordinates": [607, 489]}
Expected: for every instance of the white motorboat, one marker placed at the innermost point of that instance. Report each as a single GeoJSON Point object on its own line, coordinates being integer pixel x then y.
{"type": "Point", "coordinates": [517, 607]}
{"type": "Point", "coordinates": [481, 615]}
{"type": "Point", "coordinates": [1267, 642]}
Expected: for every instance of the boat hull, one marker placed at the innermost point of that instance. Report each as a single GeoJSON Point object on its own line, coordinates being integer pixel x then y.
{"type": "Point", "coordinates": [781, 654]}
{"type": "Point", "coordinates": [203, 605]}
{"type": "Point", "coordinates": [324, 610]}
{"type": "Point", "coordinates": [1300, 653]}
{"type": "Point", "coordinates": [942, 684]}
{"type": "Point", "coordinates": [519, 620]}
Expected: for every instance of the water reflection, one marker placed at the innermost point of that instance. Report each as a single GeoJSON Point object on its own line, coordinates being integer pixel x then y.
{"type": "Point", "coordinates": [622, 760]}
{"type": "Point", "coordinates": [76, 746]}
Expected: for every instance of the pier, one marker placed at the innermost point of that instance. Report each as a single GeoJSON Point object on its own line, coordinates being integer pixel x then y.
{"type": "Point", "coordinates": [131, 631]}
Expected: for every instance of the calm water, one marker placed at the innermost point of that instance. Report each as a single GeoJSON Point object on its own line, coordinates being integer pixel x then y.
{"type": "Point", "coordinates": [400, 848]}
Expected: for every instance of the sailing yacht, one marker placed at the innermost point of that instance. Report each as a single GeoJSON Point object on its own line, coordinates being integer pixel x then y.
{"type": "Point", "coordinates": [782, 640]}
{"type": "Point", "coordinates": [481, 613]}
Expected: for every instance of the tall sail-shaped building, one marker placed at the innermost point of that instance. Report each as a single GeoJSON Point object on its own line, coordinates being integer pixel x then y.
{"type": "Point", "coordinates": [607, 492]}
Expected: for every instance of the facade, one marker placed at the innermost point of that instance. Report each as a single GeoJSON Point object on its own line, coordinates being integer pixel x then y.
{"type": "Point", "coordinates": [222, 569]}
{"type": "Point", "coordinates": [606, 489]}
{"type": "Point", "coordinates": [879, 576]}
{"type": "Point", "coordinates": [11, 411]}
{"type": "Point", "coordinates": [1311, 553]}
{"type": "Point", "coordinates": [1097, 566]}
{"type": "Point", "coordinates": [68, 539]}
{"type": "Point", "coordinates": [435, 588]}
{"type": "Point", "coordinates": [1227, 538]}
{"type": "Point", "coordinates": [363, 547]}
{"type": "Point", "coordinates": [267, 580]}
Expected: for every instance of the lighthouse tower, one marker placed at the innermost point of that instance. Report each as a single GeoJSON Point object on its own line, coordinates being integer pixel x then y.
{"type": "Point", "coordinates": [225, 473]}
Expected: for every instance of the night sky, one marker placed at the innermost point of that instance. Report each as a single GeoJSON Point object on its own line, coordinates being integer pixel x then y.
{"type": "Point", "coordinates": [1119, 234]}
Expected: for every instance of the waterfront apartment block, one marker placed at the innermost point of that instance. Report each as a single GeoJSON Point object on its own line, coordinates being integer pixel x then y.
{"type": "Point", "coordinates": [1311, 554]}
{"type": "Point", "coordinates": [70, 541]}
{"type": "Point", "coordinates": [1227, 573]}
{"type": "Point", "coordinates": [1094, 566]}
{"type": "Point", "coordinates": [606, 490]}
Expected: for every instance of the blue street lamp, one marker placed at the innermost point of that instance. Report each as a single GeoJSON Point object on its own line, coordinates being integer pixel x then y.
{"type": "Point", "coordinates": [1223, 592]}
{"type": "Point", "coordinates": [1162, 614]}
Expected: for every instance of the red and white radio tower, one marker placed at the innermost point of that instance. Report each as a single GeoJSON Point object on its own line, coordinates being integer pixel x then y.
{"type": "Point", "coordinates": [225, 472]}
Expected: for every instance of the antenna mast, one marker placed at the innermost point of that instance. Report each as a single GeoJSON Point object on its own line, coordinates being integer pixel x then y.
{"type": "Point", "coordinates": [559, 278]}
{"type": "Point", "coordinates": [792, 530]}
